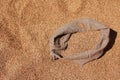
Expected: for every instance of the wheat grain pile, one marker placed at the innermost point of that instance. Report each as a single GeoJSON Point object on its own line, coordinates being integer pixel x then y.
{"type": "Point", "coordinates": [27, 25]}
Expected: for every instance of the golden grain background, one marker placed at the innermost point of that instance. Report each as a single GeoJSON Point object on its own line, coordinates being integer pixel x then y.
{"type": "Point", "coordinates": [27, 25]}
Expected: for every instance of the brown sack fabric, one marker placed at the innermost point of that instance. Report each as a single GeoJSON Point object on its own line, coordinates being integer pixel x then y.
{"type": "Point", "coordinates": [59, 40]}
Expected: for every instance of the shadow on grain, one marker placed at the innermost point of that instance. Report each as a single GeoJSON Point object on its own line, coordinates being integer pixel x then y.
{"type": "Point", "coordinates": [112, 37]}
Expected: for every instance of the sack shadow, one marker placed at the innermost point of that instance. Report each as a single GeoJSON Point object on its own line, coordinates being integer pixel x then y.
{"type": "Point", "coordinates": [112, 37]}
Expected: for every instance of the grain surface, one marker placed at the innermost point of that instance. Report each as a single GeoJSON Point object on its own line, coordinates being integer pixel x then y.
{"type": "Point", "coordinates": [27, 25]}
